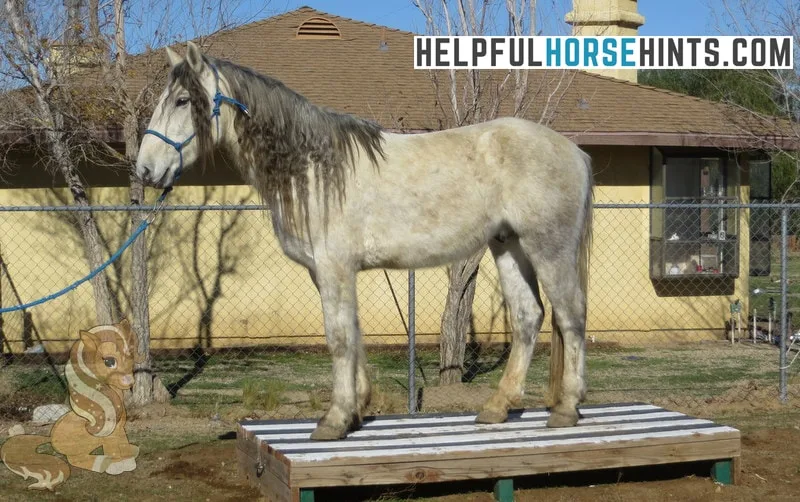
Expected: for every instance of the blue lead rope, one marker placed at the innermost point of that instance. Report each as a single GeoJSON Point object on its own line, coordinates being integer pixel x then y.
{"type": "Point", "coordinates": [125, 245]}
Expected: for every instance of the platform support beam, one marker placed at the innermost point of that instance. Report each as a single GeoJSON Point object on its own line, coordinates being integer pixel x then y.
{"type": "Point", "coordinates": [306, 495]}
{"type": "Point", "coordinates": [722, 472]}
{"type": "Point", "coordinates": [504, 490]}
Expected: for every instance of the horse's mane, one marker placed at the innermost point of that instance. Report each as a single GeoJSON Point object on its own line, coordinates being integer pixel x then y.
{"type": "Point", "coordinates": [284, 136]}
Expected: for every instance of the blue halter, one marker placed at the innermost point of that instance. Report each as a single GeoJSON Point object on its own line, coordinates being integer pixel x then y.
{"type": "Point", "coordinates": [219, 98]}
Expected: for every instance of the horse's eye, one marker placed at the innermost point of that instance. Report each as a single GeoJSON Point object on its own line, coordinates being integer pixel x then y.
{"type": "Point", "coordinates": [182, 102]}
{"type": "Point", "coordinates": [110, 362]}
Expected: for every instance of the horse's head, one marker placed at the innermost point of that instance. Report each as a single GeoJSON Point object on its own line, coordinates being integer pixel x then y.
{"type": "Point", "coordinates": [99, 370]}
{"type": "Point", "coordinates": [108, 353]}
{"type": "Point", "coordinates": [180, 131]}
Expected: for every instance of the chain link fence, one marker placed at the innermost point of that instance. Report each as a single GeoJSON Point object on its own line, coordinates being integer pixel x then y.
{"type": "Point", "coordinates": [690, 307]}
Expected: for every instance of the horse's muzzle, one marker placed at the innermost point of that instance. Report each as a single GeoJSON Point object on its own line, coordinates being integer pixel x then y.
{"type": "Point", "coordinates": [145, 175]}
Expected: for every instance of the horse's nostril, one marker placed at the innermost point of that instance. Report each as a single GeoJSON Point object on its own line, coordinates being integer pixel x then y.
{"type": "Point", "coordinates": [145, 173]}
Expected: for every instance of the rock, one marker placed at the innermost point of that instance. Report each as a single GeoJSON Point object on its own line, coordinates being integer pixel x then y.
{"type": "Point", "coordinates": [16, 430]}
{"type": "Point", "coordinates": [49, 413]}
{"type": "Point", "coordinates": [160, 392]}
{"type": "Point", "coordinates": [36, 349]}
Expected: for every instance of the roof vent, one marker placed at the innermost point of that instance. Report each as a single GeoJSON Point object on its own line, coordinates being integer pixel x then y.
{"type": "Point", "coordinates": [318, 28]}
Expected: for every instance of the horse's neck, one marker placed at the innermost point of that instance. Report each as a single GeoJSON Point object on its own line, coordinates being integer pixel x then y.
{"type": "Point", "coordinates": [292, 232]}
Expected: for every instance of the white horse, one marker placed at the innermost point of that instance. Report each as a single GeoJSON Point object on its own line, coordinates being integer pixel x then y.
{"type": "Point", "coordinates": [346, 196]}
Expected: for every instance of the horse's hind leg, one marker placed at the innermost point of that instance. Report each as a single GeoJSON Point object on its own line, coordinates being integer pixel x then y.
{"type": "Point", "coordinates": [337, 289]}
{"type": "Point", "coordinates": [558, 273]}
{"type": "Point", "coordinates": [521, 292]}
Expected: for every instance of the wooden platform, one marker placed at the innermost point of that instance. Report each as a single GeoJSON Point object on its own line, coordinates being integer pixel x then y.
{"type": "Point", "coordinates": [279, 458]}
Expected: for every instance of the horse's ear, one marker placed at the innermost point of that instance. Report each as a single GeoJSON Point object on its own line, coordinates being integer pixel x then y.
{"type": "Point", "coordinates": [194, 57]}
{"type": "Point", "coordinates": [173, 58]}
{"type": "Point", "coordinates": [125, 324]}
{"type": "Point", "coordinates": [88, 340]}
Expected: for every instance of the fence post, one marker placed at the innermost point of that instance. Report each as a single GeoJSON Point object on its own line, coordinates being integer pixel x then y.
{"type": "Point", "coordinates": [412, 350]}
{"type": "Point", "coordinates": [784, 300]}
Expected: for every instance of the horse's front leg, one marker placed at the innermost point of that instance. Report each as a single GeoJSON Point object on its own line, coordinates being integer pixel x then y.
{"type": "Point", "coordinates": [363, 384]}
{"type": "Point", "coordinates": [339, 307]}
{"type": "Point", "coordinates": [121, 452]}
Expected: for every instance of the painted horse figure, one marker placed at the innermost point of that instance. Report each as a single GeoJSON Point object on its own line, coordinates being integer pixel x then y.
{"type": "Point", "coordinates": [347, 196]}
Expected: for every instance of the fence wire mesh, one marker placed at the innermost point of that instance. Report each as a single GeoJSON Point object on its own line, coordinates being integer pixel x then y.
{"type": "Point", "coordinates": [685, 311]}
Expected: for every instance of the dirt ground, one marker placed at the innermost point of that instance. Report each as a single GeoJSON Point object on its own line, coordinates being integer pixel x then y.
{"type": "Point", "coordinates": [189, 458]}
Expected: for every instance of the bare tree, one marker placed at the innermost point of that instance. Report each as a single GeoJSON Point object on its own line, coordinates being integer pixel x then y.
{"type": "Point", "coordinates": [472, 96]}
{"type": "Point", "coordinates": [780, 89]}
{"type": "Point", "coordinates": [26, 49]}
{"type": "Point", "coordinates": [79, 87]}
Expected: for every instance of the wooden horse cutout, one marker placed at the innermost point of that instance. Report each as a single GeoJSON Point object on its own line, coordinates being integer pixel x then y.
{"type": "Point", "coordinates": [99, 369]}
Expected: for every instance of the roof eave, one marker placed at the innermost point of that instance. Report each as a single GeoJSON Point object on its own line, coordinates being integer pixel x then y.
{"type": "Point", "coordinates": [113, 136]}
{"type": "Point", "coordinates": [698, 140]}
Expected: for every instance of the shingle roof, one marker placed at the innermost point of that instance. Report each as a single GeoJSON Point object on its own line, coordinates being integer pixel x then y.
{"type": "Point", "coordinates": [352, 74]}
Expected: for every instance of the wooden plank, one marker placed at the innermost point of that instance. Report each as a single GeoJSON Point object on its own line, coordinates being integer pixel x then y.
{"type": "Point", "coordinates": [736, 472]}
{"type": "Point", "coordinates": [277, 464]}
{"type": "Point", "coordinates": [479, 437]}
{"type": "Point", "coordinates": [447, 468]}
{"type": "Point", "coordinates": [281, 439]}
{"type": "Point", "coordinates": [272, 487]}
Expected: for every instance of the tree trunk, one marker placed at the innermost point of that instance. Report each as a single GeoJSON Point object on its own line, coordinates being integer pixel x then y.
{"type": "Point", "coordinates": [147, 387]}
{"type": "Point", "coordinates": [94, 23]}
{"type": "Point", "coordinates": [104, 309]}
{"type": "Point", "coordinates": [140, 309]}
{"type": "Point", "coordinates": [456, 318]}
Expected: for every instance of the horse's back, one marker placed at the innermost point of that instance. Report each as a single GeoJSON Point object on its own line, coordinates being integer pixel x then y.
{"type": "Point", "coordinates": [499, 161]}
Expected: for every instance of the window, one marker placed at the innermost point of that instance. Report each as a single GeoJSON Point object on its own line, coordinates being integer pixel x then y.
{"type": "Point", "coordinates": [691, 241]}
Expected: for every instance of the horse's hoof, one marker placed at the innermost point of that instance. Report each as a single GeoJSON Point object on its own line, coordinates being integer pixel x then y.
{"type": "Point", "coordinates": [121, 466]}
{"type": "Point", "coordinates": [558, 419]}
{"type": "Point", "coordinates": [328, 433]}
{"type": "Point", "coordinates": [491, 417]}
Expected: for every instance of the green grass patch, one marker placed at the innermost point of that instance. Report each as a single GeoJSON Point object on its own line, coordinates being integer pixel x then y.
{"type": "Point", "coordinates": [258, 394]}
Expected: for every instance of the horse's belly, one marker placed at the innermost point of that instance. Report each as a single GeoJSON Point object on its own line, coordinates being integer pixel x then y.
{"type": "Point", "coordinates": [411, 247]}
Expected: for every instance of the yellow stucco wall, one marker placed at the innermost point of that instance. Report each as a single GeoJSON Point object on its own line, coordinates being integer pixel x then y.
{"type": "Point", "coordinates": [624, 300]}
{"type": "Point", "coordinates": [268, 299]}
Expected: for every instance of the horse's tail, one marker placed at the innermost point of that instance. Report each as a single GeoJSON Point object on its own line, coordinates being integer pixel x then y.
{"type": "Point", "coordinates": [584, 252]}
{"type": "Point", "coordinates": [585, 245]}
{"type": "Point", "coordinates": [20, 456]}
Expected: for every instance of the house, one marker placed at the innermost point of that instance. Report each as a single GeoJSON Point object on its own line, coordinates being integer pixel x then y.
{"type": "Point", "coordinates": [656, 274]}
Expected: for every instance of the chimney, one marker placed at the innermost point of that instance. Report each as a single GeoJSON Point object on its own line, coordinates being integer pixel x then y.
{"type": "Point", "coordinates": [611, 18]}
{"type": "Point", "coordinates": [67, 59]}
